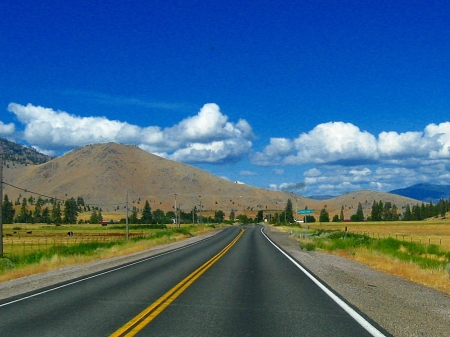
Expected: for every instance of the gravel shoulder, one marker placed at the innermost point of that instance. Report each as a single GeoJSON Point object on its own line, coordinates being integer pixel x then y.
{"type": "Point", "coordinates": [402, 308]}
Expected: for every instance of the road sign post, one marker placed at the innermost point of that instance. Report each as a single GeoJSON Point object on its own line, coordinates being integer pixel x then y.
{"type": "Point", "coordinates": [305, 212]}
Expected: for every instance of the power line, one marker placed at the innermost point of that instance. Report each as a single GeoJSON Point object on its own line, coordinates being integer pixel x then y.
{"type": "Point", "coordinates": [57, 199]}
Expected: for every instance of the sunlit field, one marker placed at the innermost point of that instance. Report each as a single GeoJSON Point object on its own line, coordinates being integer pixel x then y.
{"type": "Point", "coordinates": [427, 232]}
{"type": "Point", "coordinates": [433, 235]}
{"type": "Point", "coordinates": [31, 249]}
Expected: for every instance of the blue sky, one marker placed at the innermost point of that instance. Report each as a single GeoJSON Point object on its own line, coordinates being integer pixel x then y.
{"type": "Point", "coordinates": [316, 97]}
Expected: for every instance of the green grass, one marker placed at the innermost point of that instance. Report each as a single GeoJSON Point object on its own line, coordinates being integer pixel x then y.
{"type": "Point", "coordinates": [12, 261]}
{"type": "Point", "coordinates": [425, 256]}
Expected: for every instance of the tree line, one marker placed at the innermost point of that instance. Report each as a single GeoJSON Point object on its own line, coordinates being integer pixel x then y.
{"type": "Point", "coordinates": [390, 212]}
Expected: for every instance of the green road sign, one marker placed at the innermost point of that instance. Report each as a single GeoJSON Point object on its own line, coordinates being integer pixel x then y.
{"type": "Point", "coordinates": [305, 211]}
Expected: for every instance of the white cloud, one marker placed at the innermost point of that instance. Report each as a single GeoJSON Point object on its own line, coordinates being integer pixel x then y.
{"type": "Point", "coordinates": [278, 171]}
{"type": "Point", "coordinates": [274, 152]}
{"type": "Point", "coordinates": [7, 129]}
{"type": "Point", "coordinates": [442, 134]}
{"type": "Point", "coordinates": [333, 142]}
{"type": "Point", "coordinates": [206, 137]}
{"type": "Point", "coordinates": [338, 143]}
{"type": "Point", "coordinates": [312, 173]}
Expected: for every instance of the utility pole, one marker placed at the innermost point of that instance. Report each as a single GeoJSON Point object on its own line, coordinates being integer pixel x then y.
{"type": "Point", "coordinates": [176, 213]}
{"type": "Point", "coordinates": [126, 220]}
{"type": "Point", "coordinates": [1, 205]}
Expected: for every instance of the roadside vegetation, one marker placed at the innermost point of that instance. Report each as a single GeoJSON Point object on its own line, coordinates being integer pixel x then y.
{"type": "Point", "coordinates": [38, 248]}
{"type": "Point", "coordinates": [419, 252]}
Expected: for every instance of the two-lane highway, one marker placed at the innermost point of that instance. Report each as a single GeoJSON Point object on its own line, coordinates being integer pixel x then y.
{"type": "Point", "coordinates": [236, 283]}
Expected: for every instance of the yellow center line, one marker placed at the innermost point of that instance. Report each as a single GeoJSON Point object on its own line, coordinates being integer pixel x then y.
{"type": "Point", "coordinates": [137, 323]}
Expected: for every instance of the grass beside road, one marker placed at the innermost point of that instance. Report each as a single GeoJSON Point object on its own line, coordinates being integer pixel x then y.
{"type": "Point", "coordinates": [31, 249]}
{"type": "Point", "coordinates": [422, 257]}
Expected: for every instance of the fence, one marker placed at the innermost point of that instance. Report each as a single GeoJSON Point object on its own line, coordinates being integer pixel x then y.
{"type": "Point", "coordinates": [22, 244]}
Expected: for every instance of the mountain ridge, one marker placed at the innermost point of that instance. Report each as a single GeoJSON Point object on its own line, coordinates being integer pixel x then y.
{"type": "Point", "coordinates": [103, 174]}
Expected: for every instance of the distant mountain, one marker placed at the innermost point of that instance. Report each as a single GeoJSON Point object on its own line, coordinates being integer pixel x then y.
{"type": "Point", "coordinates": [425, 192]}
{"type": "Point", "coordinates": [104, 174]}
{"type": "Point", "coordinates": [17, 153]}
{"type": "Point", "coordinates": [321, 197]}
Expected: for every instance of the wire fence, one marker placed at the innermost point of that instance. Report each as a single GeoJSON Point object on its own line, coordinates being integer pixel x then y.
{"type": "Point", "coordinates": [23, 244]}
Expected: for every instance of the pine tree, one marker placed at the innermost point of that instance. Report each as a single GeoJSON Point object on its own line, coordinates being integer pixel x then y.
{"type": "Point", "coordinates": [133, 217]}
{"type": "Point", "coordinates": [407, 216]}
{"type": "Point", "coordinates": [70, 211]}
{"type": "Point", "coordinates": [341, 217]}
{"type": "Point", "coordinates": [324, 216]}
{"type": "Point", "coordinates": [359, 213]}
{"type": "Point", "coordinates": [146, 217]}
{"type": "Point", "coordinates": [289, 212]}
{"type": "Point", "coordinates": [56, 213]}
{"type": "Point", "coordinates": [260, 216]}
{"type": "Point", "coordinates": [7, 210]}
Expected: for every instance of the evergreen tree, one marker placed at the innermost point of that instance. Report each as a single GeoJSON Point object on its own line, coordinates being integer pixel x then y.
{"type": "Point", "coordinates": [133, 217]}
{"type": "Point", "coordinates": [341, 217]}
{"type": "Point", "coordinates": [23, 215]}
{"type": "Point", "coordinates": [407, 216]}
{"type": "Point", "coordinates": [376, 213]}
{"type": "Point", "coordinates": [359, 213]}
{"type": "Point", "coordinates": [324, 216]}
{"type": "Point", "coordinates": [46, 215]}
{"type": "Point", "coordinates": [336, 218]}
{"type": "Point", "coordinates": [56, 213]}
{"type": "Point", "coordinates": [289, 212]}
{"type": "Point", "coordinates": [37, 214]}
{"type": "Point", "coordinates": [7, 211]}
{"type": "Point", "coordinates": [394, 213]}
{"type": "Point", "coordinates": [70, 211]}
{"type": "Point", "coordinates": [146, 217]}
{"type": "Point", "coordinates": [260, 216]}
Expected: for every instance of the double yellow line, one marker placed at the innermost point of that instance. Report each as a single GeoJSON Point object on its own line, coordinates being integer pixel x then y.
{"type": "Point", "coordinates": [147, 315]}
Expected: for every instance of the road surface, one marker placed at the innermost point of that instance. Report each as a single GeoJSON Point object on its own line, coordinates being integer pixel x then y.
{"type": "Point", "coordinates": [236, 283]}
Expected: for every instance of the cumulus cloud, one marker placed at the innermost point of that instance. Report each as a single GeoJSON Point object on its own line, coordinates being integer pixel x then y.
{"type": "Point", "coordinates": [207, 137]}
{"type": "Point", "coordinates": [7, 129]}
{"type": "Point", "coordinates": [338, 143]}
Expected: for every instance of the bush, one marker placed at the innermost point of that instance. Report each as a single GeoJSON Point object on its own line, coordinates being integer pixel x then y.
{"type": "Point", "coordinates": [309, 246]}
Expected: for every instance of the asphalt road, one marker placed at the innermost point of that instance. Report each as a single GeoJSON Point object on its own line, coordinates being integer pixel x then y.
{"type": "Point", "coordinates": [236, 283]}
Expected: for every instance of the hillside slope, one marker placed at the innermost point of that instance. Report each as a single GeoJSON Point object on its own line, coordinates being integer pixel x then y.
{"type": "Point", "coordinates": [103, 173]}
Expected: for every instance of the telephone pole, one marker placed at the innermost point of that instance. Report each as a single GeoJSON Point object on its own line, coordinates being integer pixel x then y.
{"type": "Point", "coordinates": [1, 205]}
{"type": "Point", "coordinates": [126, 221]}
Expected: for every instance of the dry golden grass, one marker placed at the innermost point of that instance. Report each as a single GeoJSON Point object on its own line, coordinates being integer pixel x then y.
{"type": "Point", "coordinates": [437, 279]}
{"type": "Point", "coordinates": [432, 231]}
{"type": "Point", "coordinates": [57, 262]}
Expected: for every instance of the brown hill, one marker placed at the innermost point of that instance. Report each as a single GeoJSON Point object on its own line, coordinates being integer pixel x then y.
{"type": "Point", "coordinates": [14, 153]}
{"type": "Point", "coordinates": [103, 173]}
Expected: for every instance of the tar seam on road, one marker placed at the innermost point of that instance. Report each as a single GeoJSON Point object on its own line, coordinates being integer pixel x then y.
{"type": "Point", "coordinates": [141, 320]}
{"type": "Point", "coordinates": [357, 317]}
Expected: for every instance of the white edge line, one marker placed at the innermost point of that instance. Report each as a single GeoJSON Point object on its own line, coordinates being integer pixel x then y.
{"type": "Point", "coordinates": [357, 317]}
{"type": "Point", "coordinates": [103, 273]}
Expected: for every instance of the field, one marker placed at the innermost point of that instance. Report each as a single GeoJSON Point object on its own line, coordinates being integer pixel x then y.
{"type": "Point", "coordinates": [34, 248]}
{"type": "Point", "coordinates": [430, 266]}
{"type": "Point", "coordinates": [427, 232]}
